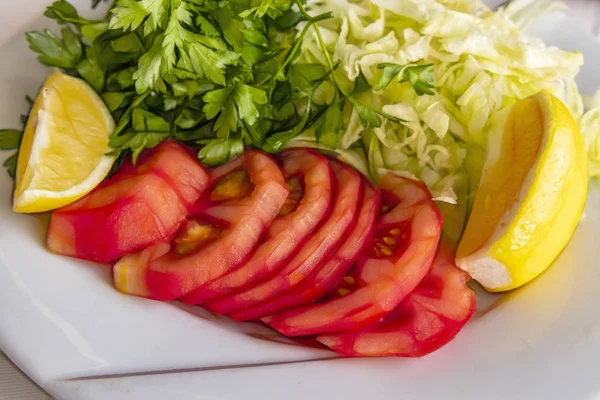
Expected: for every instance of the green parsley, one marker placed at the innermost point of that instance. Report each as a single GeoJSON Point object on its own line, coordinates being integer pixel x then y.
{"type": "Point", "coordinates": [217, 75]}
{"type": "Point", "coordinates": [10, 139]}
{"type": "Point", "coordinates": [419, 76]}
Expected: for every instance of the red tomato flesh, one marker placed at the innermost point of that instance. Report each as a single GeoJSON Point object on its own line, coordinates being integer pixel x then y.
{"type": "Point", "coordinates": [312, 254]}
{"type": "Point", "coordinates": [137, 207]}
{"type": "Point", "coordinates": [336, 267]}
{"type": "Point", "coordinates": [246, 195]}
{"type": "Point", "coordinates": [405, 243]}
{"type": "Point", "coordinates": [310, 178]}
{"type": "Point", "coordinates": [430, 317]}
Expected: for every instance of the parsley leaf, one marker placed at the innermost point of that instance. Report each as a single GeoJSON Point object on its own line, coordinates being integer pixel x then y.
{"type": "Point", "coordinates": [277, 141]}
{"type": "Point", "coordinates": [221, 75]}
{"type": "Point", "coordinates": [246, 98]}
{"type": "Point", "coordinates": [63, 12]}
{"type": "Point", "coordinates": [136, 142]}
{"type": "Point", "coordinates": [331, 125]}
{"type": "Point", "coordinates": [191, 88]}
{"type": "Point", "coordinates": [54, 51]}
{"type": "Point", "coordinates": [206, 62]}
{"type": "Point", "coordinates": [93, 31]}
{"type": "Point", "coordinates": [129, 43]}
{"type": "Point", "coordinates": [149, 74]}
{"type": "Point", "coordinates": [232, 28]}
{"type": "Point", "coordinates": [145, 121]}
{"type": "Point", "coordinates": [361, 85]}
{"type": "Point", "coordinates": [175, 32]}
{"type": "Point", "coordinates": [121, 79]}
{"type": "Point", "coordinates": [117, 100]}
{"type": "Point", "coordinates": [256, 38]}
{"type": "Point", "coordinates": [204, 56]}
{"type": "Point", "coordinates": [91, 70]}
{"type": "Point", "coordinates": [235, 105]}
{"type": "Point", "coordinates": [129, 15]}
{"type": "Point", "coordinates": [305, 78]}
{"type": "Point", "coordinates": [272, 8]}
{"type": "Point", "coordinates": [218, 101]}
{"type": "Point", "coordinates": [206, 27]}
{"type": "Point", "coordinates": [11, 165]}
{"type": "Point", "coordinates": [289, 19]}
{"type": "Point", "coordinates": [218, 151]}
{"type": "Point", "coordinates": [125, 117]}
{"type": "Point", "coordinates": [10, 139]}
{"type": "Point", "coordinates": [420, 77]}
{"type": "Point", "coordinates": [390, 72]}
{"type": "Point", "coordinates": [368, 117]}
{"type": "Point", "coordinates": [189, 118]}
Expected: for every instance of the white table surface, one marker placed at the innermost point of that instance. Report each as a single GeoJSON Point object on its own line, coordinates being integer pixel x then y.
{"type": "Point", "coordinates": [14, 385]}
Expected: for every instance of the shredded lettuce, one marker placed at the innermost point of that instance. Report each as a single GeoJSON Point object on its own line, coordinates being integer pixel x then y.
{"type": "Point", "coordinates": [590, 129]}
{"type": "Point", "coordinates": [481, 61]}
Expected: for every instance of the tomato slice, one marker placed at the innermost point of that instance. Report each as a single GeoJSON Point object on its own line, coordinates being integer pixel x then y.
{"type": "Point", "coordinates": [336, 267]}
{"type": "Point", "coordinates": [137, 207]}
{"type": "Point", "coordinates": [312, 254]}
{"type": "Point", "coordinates": [246, 195]}
{"type": "Point", "coordinates": [406, 239]}
{"type": "Point", "coordinates": [310, 179]}
{"type": "Point", "coordinates": [430, 317]}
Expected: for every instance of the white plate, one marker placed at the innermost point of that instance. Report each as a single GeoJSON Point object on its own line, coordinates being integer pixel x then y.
{"type": "Point", "coordinates": [66, 327]}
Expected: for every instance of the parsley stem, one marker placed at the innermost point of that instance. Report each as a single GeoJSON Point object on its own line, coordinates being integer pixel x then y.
{"type": "Point", "coordinates": [344, 93]}
{"type": "Point", "coordinates": [292, 53]}
{"type": "Point", "coordinates": [326, 54]}
{"type": "Point", "coordinates": [290, 56]}
{"type": "Point", "coordinates": [320, 38]}
{"type": "Point", "coordinates": [303, 10]}
{"type": "Point", "coordinates": [332, 68]}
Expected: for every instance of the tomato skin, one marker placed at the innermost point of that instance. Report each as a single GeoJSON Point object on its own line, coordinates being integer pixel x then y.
{"type": "Point", "coordinates": [246, 220]}
{"type": "Point", "coordinates": [176, 169]}
{"type": "Point", "coordinates": [429, 318]}
{"type": "Point", "coordinates": [287, 232]}
{"type": "Point", "coordinates": [311, 255]}
{"type": "Point", "coordinates": [139, 206]}
{"type": "Point", "coordinates": [336, 267]}
{"type": "Point", "coordinates": [384, 276]}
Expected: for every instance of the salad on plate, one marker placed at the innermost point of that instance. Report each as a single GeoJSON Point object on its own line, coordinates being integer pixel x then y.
{"type": "Point", "coordinates": [343, 171]}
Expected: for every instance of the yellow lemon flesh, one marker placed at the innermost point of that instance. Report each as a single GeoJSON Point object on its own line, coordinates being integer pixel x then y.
{"type": "Point", "coordinates": [531, 196]}
{"type": "Point", "coordinates": [62, 155]}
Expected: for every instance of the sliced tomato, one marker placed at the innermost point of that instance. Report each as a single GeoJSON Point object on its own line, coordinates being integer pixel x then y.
{"type": "Point", "coordinates": [310, 179]}
{"type": "Point", "coordinates": [312, 254]}
{"type": "Point", "coordinates": [398, 258]}
{"type": "Point", "coordinates": [335, 268]}
{"type": "Point", "coordinates": [137, 207]}
{"type": "Point", "coordinates": [430, 317]}
{"type": "Point", "coordinates": [246, 195]}
{"type": "Point", "coordinates": [130, 272]}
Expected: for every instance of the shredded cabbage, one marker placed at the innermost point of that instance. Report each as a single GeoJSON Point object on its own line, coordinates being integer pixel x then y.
{"type": "Point", "coordinates": [483, 62]}
{"type": "Point", "coordinates": [590, 128]}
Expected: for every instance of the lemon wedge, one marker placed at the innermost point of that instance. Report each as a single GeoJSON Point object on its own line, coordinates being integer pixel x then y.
{"type": "Point", "coordinates": [531, 195]}
{"type": "Point", "coordinates": [62, 155]}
